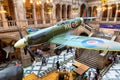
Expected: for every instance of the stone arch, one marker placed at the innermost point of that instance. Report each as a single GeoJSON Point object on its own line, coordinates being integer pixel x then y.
{"type": "Point", "coordinates": [47, 9]}
{"type": "Point", "coordinates": [105, 11]}
{"type": "Point", "coordinates": [64, 11]}
{"type": "Point", "coordinates": [89, 11]}
{"type": "Point", "coordinates": [80, 30]}
{"type": "Point", "coordinates": [118, 12]}
{"type": "Point", "coordinates": [58, 12]}
{"type": "Point", "coordinates": [83, 7]}
{"type": "Point", "coordinates": [83, 34]}
{"type": "Point", "coordinates": [68, 11]}
{"type": "Point", "coordinates": [9, 8]}
{"type": "Point", "coordinates": [112, 11]}
{"type": "Point", "coordinates": [94, 11]}
{"type": "Point", "coordinates": [39, 11]}
{"type": "Point", "coordinates": [28, 8]}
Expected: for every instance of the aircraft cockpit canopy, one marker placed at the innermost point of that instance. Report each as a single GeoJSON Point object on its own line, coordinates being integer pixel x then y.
{"type": "Point", "coordinates": [63, 23]}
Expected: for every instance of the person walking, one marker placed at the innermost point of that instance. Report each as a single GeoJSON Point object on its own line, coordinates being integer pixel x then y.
{"type": "Point", "coordinates": [43, 60]}
{"type": "Point", "coordinates": [40, 53]}
{"type": "Point", "coordinates": [69, 49]}
{"type": "Point", "coordinates": [58, 65]}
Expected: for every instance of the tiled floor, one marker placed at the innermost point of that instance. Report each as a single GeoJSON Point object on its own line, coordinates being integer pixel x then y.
{"type": "Point", "coordinates": [39, 68]}
{"type": "Point", "coordinates": [113, 73]}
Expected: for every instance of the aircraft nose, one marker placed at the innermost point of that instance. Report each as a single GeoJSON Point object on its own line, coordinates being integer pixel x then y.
{"type": "Point", "coordinates": [20, 43]}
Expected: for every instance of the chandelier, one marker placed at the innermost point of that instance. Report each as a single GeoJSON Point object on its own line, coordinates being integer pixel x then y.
{"type": "Point", "coordinates": [103, 1]}
{"type": "Point", "coordinates": [1, 2]}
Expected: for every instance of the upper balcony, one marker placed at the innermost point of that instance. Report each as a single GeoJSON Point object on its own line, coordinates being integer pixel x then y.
{"type": "Point", "coordinates": [12, 25]}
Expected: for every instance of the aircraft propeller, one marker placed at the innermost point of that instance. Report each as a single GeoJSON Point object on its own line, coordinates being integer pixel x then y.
{"type": "Point", "coordinates": [26, 48]}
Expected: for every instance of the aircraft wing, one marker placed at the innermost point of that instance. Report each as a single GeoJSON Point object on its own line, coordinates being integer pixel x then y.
{"type": "Point", "coordinates": [86, 42]}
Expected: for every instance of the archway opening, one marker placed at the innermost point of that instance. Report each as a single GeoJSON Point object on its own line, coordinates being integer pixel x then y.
{"type": "Point", "coordinates": [118, 13]}
{"type": "Point", "coordinates": [64, 11]}
{"type": "Point", "coordinates": [82, 13]}
{"type": "Point", "coordinates": [58, 12]}
{"type": "Point", "coordinates": [83, 34]}
{"type": "Point", "coordinates": [104, 13]}
{"type": "Point", "coordinates": [94, 11]}
{"type": "Point", "coordinates": [89, 11]}
{"type": "Point", "coordinates": [112, 12]}
{"type": "Point", "coordinates": [68, 11]}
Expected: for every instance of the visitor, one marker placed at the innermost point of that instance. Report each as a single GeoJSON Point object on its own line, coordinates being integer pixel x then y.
{"type": "Point", "coordinates": [17, 64]}
{"type": "Point", "coordinates": [40, 53]}
{"type": "Point", "coordinates": [58, 65]}
{"type": "Point", "coordinates": [9, 18]}
{"type": "Point", "coordinates": [91, 74]}
{"type": "Point", "coordinates": [69, 49]}
{"type": "Point", "coordinates": [43, 60]}
{"type": "Point", "coordinates": [34, 63]}
{"type": "Point", "coordinates": [98, 70]}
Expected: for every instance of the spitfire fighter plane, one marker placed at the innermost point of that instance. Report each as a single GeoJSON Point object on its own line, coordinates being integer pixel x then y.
{"type": "Point", "coordinates": [57, 34]}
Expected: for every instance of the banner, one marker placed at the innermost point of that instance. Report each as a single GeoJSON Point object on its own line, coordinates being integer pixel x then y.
{"type": "Point", "coordinates": [110, 26]}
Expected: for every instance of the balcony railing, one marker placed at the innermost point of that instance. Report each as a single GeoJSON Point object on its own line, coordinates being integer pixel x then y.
{"type": "Point", "coordinates": [11, 24]}
{"type": "Point", "coordinates": [118, 18]}
{"type": "Point", "coordinates": [104, 18]}
{"type": "Point", "coordinates": [111, 19]}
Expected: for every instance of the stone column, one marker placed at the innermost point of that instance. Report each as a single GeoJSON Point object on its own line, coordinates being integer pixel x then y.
{"type": "Point", "coordinates": [16, 13]}
{"type": "Point", "coordinates": [5, 25]}
{"type": "Point", "coordinates": [19, 12]}
{"type": "Point", "coordinates": [60, 12]}
{"type": "Point", "coordinates": [34, 12]}
{"type": "Point", "coordinates": [65, 12]}
{"type": "Point", "coordinates": [108, 13]}
{"type": "Point", "coordinates": [92, 12]}
{"type": "Point", "coordinates": [43, 15]}
{"type": "Point", "coordinates": [25, 59]}
{"type": "Point", "coordinates": [52, 46]}
{"type": "Point", "coordinates": [26, 22]}
{"type": "Point", "coordinates": [53, 14]}
{"type": "Point", "coordinates": [79, 10]}
{"type": "Point", "coordinates": [99, 13]}
{"type": "Point", "coordinates": [116, 14]}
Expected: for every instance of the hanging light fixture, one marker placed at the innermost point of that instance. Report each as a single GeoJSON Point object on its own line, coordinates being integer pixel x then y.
{"type": "Point", "coordinates": [103, 5]}
{"type": "Point", "coordinates": [1, 2]}
{"type": "Point", "coordinates": [103, 1]}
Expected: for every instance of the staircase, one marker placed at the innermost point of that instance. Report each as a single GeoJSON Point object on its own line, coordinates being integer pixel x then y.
{"type": "Point", "coordinates": [89, 58]}
{"type": "Point", "coordinates": [88, 27]}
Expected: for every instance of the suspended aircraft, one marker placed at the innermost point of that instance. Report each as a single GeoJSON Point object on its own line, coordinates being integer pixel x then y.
{"type": "Point", "coordinates": [59, 34]}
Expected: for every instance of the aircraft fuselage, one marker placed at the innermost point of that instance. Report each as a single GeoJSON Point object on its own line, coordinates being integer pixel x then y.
{"type": "Point", "coordinates": [46, 34]}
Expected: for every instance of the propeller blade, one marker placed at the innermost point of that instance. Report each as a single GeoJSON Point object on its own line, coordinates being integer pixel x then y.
{"type": "Point", "coordinates": [25, 50]}
{"type": "Point", "coordinates": [30, 52]}
{"type": "Point", "coordinates": [19, 30]}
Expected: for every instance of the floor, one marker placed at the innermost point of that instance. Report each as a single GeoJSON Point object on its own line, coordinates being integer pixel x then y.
{"type": "Point", "coordinates": [112, 74]}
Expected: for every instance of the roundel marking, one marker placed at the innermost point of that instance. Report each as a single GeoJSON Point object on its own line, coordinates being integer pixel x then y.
{"type": "Point", "coordinates": [92, 43]}
{"type": "Point", "coordinates": [73, 25]}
